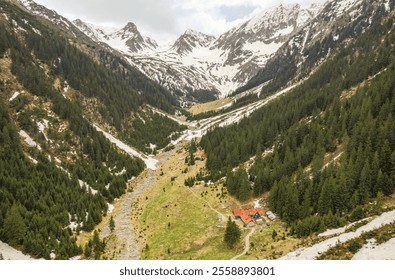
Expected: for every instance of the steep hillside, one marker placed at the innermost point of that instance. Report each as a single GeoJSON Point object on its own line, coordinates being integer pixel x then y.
{"type": "Point", "coordinates": [338, 23]}
{"type": "Point", "coordinates": [58, 173]}
{"type": "Point", "coordinates": [341, 114]}
{"type": "Point", "coordinates": [116, 91]}
{"type": "Point", "coordinates": [153, 93]}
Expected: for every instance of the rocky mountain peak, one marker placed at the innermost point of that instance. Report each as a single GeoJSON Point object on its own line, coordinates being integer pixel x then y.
{"type": "Point", "coordinates": [190, 40]}
{"type": "Point", "coordinates": [130, 31]}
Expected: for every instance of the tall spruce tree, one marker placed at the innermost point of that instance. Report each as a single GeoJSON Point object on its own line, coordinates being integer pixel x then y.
{"type": "Point", "coordinates": [232, 234]}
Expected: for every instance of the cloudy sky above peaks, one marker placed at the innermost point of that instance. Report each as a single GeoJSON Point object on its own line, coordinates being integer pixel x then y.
{"type": "Point", "coordinates": [165, 20]}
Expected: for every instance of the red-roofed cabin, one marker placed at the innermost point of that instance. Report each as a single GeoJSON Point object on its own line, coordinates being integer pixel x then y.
{"type": "Point", "coordinates": [247, 216]}
{"type": "Point", "coordinates": [204, 155]}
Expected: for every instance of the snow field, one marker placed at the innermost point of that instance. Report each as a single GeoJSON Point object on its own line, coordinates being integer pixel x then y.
{"type": "Point", "coordinates": [317, 249]}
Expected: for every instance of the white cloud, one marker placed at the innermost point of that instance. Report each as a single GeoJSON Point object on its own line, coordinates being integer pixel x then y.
{"type": "Point", "coordinates": [165, 20]}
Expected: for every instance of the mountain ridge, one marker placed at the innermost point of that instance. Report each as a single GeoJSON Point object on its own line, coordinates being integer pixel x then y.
{"type": "Point", "coordinates": [219, 65]}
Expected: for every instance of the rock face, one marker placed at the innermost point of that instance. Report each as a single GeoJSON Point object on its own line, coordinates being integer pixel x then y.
{"type": "Point", "coordinates": [128, 39]}
{"type": "Point", "coordinates": [190, 40]}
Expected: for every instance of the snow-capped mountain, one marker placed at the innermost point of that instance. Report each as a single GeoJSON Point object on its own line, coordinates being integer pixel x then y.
{"type": "Point", "coordinates": [265, 32]}
{"type": "Point", "coordinates": [50, 15]}
{"type": "Point", "coordinates": [128, 39]}
{"type": "Point", "coordinates": [338, 22]}
{"type": "Point", "coordinates": [197, 61]}
{"type": "Point", "coordinates": [191, 39]}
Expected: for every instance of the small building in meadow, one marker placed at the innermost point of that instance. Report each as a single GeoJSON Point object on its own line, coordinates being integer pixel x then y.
{"type": "Point", "coordinates": [248, 216]}
{"type": "Point", "coordinates": [271, 215]}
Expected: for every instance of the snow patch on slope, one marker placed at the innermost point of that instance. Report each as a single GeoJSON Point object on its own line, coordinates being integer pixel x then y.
{"type": "Point", "coordinates": [15, 95]}
{"type": "Point", "coordinates": [10, 253]}
{"type": "Point", "coordinates": [373, 251]}
{"type": "Point", "coordinates": [29, 140]}
{"type": "Point", "coordinates": [150, 162]}
{"type": "Point", "coordinates": [317, 249]}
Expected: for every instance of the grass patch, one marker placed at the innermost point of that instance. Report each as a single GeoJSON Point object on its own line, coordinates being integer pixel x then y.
{"type": "Point", "coordinates": [263, 246]}
{"type": "Point", "coordinates": [176, 222]}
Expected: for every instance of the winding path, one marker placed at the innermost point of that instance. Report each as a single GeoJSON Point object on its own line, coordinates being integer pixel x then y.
{"type": "Point", "coordinates": [246, 244]}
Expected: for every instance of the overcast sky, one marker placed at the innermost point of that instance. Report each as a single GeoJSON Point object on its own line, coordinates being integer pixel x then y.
{"type": "Point", "coordinates": [165, 20]}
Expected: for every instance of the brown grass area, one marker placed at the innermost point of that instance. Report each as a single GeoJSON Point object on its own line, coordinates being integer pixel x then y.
{"type": "Point", "coordinates": [347, 94]}
{"type": "Point", "coordinates": [209, 106]}
{"type": "Point", "coordinates": [335, 156]}
{"type": "Point", "coordinates": [389, 201]}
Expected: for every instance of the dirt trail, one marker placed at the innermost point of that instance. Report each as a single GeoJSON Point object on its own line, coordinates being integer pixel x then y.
{"type": "Point", "coordinates": [246, 244]}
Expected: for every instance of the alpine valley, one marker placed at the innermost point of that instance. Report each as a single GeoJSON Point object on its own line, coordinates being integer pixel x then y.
{"type": "Point", "coordinates": [274, 140]}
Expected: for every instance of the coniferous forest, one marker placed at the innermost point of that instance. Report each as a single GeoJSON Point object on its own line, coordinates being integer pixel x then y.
{"type": "Point", "coordinates": [341, 110]}
{"type": "Point", "coordinates": [39, 198]}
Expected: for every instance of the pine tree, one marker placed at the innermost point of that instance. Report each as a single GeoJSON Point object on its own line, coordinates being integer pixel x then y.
{"type": "Point", "coordinates": [244, 190]}
{"type": "Point", "coordinates": [112, 224]}
{"type": "Point", "coordinates": [15, 226]}
{"type": "Point", "coordinates": [274, 234]}
{"type": "Point", "coordinates": [232, 234]}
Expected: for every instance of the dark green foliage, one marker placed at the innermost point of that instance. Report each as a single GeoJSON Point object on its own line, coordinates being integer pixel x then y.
{"type": "Point", "coordinates": [354, 246]}
{"type": "Point", "coordinates": [38, 201]}
{"type": "Point", "coordinates": [357, 214]}
{"type": "Point", "coordinates": [274, 234]}
{"type": "Point", "coordinates": [189, 182]}
{"type": "Point", "coordinates": [112, 224]}
{"type": "Point", "coordinates": [232, 234]}
{"type": "Point", "coordinates": [238, 185]}
{"type": "Point", "coordinates": [190, 159]}
{"type": "Point", "coordinates": [313, 120]}
{"type": "Point", "coordinates": [14, 225]}
{"type": "Point", "coordinates": [95, 247]}
{"type": "Point", "coordinates": [35, 200]}
{"type": "Point", "coordinates": [357, 179]}
{"type": "Point", "coordinates": [203, 96]}
{"type": "Point", "coordinates": [151, 128]}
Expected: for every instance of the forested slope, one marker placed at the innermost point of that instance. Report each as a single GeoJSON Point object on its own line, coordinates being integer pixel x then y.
{"type": "Point", "coordinates": [57, 173]}
{"type": "Point", "coordinates": [328, 33]}
{"type": "Point", "coordinates": [322, 118]}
